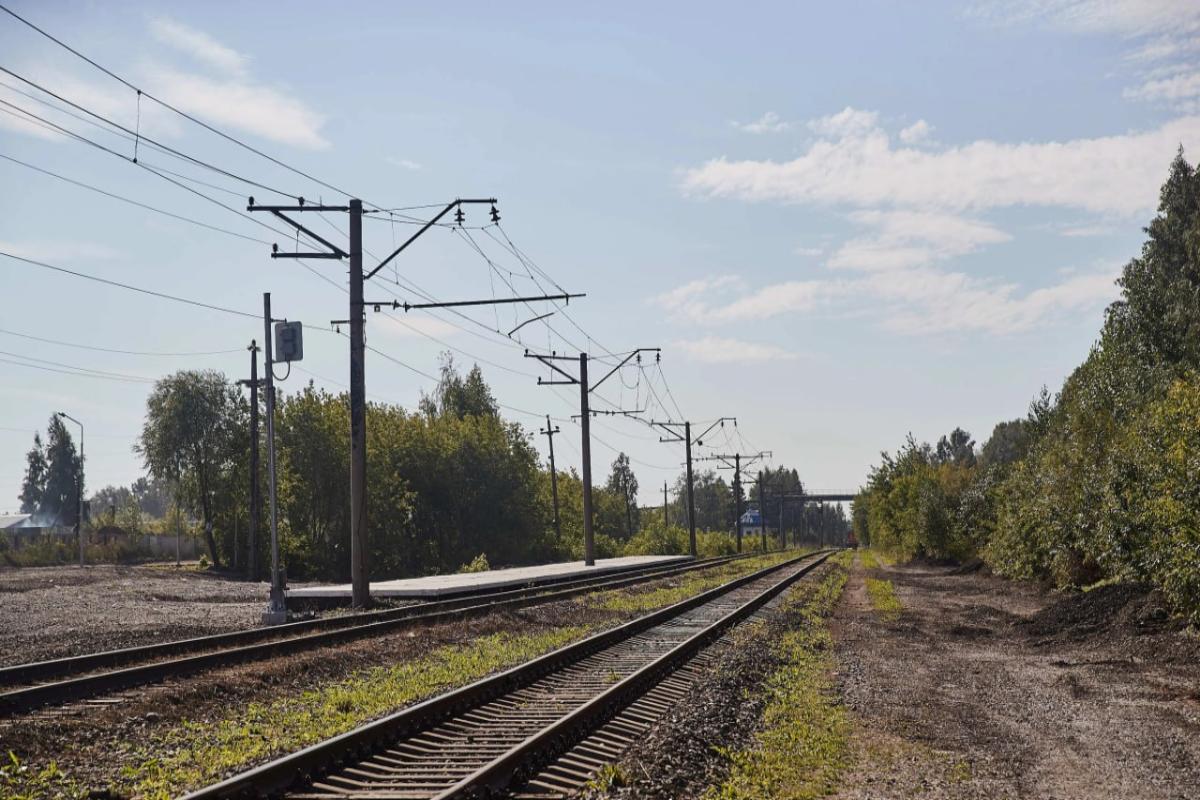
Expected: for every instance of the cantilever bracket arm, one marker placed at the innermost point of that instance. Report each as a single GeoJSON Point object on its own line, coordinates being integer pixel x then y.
{"type": "Point", "coordinates": [624, 361]}
{"type": "Point", "coordinates": [334, 250]}
{"type": "Point", "coordinates": [449, 207]}
{"type": "Point", "coordinates": [546, 360]}
{"type": "Point", "coordinates": [721, 422]}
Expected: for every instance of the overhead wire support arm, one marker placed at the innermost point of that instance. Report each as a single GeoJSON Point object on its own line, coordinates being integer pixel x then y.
{"type": "Point", "coordinates": [429, 224]}
{"type": "Point", "coordinates": [624, 361]}
{"type": "Point", "coordinates": [396, 304]}
{"type": "Point", "coordinates": [334, 250]}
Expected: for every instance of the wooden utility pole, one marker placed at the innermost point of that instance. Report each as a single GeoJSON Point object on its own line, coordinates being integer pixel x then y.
{"type": "Point", "coordinates": [666, 517]}
{"type": "Point", "coordinates": [549, 434]}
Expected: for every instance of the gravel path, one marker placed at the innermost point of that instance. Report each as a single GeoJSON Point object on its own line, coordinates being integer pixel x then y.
{"type": "Point", "coordinates": [986, 688]}
{"type": "Point", "coordinates": [48, 612]}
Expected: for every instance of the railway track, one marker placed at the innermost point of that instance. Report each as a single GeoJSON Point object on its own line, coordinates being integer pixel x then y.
{"type": "Point", "coordinates": [540, 730]}
{"type": "Point", "coordinates": [61, 681]}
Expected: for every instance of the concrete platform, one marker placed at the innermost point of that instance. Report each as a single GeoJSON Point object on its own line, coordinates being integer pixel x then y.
{"type": "Point", "coordinates": [469, 582]}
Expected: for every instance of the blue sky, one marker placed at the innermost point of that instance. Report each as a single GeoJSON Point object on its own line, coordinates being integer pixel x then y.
{"type": "Point", "coordinates": [841, 222]}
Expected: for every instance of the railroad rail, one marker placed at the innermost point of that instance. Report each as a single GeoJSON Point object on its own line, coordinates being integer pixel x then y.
{"type": "Point", "coordinates": [90, 675]}
{"type": "Point", "coordinates": [542, 728]}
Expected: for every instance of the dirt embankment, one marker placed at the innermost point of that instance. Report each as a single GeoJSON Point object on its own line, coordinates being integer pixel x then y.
{"type": "Point", "coordinates": [986, 688]}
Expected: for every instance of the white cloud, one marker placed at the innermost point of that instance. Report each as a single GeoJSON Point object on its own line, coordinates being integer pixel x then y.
{"type": "Point", "coordinates": [1121, 17]}
{"type": "Point", "coordinates": [258, 109]}
{"type": "Point", "coordinates": [1159, 30]}
{"type": "Point", "coordinates": [719, 350]}
{"type": "Point", "coordinates": [769, 122]}
{"type": "Point", "coordinates": [687, 301]}
{"type": "Point", "coordinates": [848, 122]}
{"type": "Point", "coordinates": [857, 165]}
{"type": "Point", "coordinates": [199, 45]}
{"type": "Point", "coordinates": [1181, 87]}
{"type": "Point", "coordinates": [912, 238]}
{"type": "Point", "coordinates": [932, 301]}
{"type": "Point", "coordinates": [403, 163]}
{"type": "Point", "coordinates": [917, 133]}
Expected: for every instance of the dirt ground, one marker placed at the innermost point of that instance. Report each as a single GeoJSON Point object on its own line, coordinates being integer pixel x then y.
{"type": "Point", "coordinates": [48, 612]}
{"type": "Point", "coordinates": [986, 688]}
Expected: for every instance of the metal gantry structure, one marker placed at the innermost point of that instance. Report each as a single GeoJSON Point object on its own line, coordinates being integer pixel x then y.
{"type": "Point", "coordinates": [586, 388]}
{"type": "Point", "coordinates": [359, 578]}
{"type": "Point", "coordinates": [735, 462]}
{"type": "Point", "coordinates": [673, 434]}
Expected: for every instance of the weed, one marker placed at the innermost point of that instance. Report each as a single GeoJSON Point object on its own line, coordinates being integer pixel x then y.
{"type": "Point", "coordinates": [199, 752]}
{"type": "Point", "coordinates": [883, 598]}
{"type": "Point", "coordinates": [689, 585]}
{"type": "Point", "coordinates": [803, 745]}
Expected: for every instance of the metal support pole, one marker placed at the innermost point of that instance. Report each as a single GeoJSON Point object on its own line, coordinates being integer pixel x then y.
{"type": "Point", "coordinates": [277, 606]}
{"type": "Point", "coordinates": [79, 491]}
{"type": "Point", "coordinates": [782, 532]}
{"type": "Point", "coordinates": [589, 544]}
{"type": "Point", "coordinates": [360, 585]}
{"type": "Point", "coordinates": [255, 486]}
{"type": "Point", "coordinates": [550, 431]}
{"type": "Point", "coordinates": [691, 492]}
{"type": "Point", "coordinates": [737, 497]}
{"type": "Point", "coordinates": [762, 511]}
{"type": "Point", "coordinates": [666, 517]}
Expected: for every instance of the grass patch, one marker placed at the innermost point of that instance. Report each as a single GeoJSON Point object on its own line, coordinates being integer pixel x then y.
{"type": "Point", "coordinates": [197, 753]}
{"type": "Point", "coordinates": [803, 746]}
{"type": "Point", "coordinates": [691, 584]}
{"type": "Point", "coordinates": [883, 598]}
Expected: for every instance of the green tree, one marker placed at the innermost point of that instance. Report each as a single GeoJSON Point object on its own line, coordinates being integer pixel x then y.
{"type": "Point", "coordinates": [193, 429]}
{"type": "Point", "coordinates": [33, 486]}
{"type": "Point", "coordinates": [60, 500]}
{"type": "Point", "coordinates": [623, 484]}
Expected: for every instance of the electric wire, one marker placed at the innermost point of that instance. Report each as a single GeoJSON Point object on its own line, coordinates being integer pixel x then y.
{"type": "Point", "coordinates": [142, 93]}
{"type": "Point", "coordinates": [115, 350]}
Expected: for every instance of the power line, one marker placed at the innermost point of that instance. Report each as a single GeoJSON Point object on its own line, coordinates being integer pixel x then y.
{"type": "Point", "coordinates": [133, 202]}
{"type": "Point", "coordinates": [77, 372]}
{"type": "Point", "coordinates": [170, 107]}
{"type": "Point", "coordinates": [122, 352]}
{"type": "Point", "coordinates": [130, 287]}
{"type": "Point", "coordinates": [143, 138]}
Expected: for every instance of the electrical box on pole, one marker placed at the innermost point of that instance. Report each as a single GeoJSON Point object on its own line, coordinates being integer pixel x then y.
{"type": "Point", "coordinates": [289, 341]}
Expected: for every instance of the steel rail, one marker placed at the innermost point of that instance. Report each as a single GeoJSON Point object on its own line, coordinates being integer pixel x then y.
{"type": "Point", "coordinates": [72, 665]}
{"type": "Point", "coordinates": [301, 767]}
{"type": "Point", "coordinates": [345, 629]}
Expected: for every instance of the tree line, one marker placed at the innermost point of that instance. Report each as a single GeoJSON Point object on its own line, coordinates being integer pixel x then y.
{"type": "Point", "coordinates": [448, 481]}
{"type": "Point", "coordinates": [1098, 481]}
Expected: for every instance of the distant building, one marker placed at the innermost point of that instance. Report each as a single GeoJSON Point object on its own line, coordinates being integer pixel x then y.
{"type": "Point", "coordinates": [752, 524]}
{"type": "Point", "coordinates": [15, 521]}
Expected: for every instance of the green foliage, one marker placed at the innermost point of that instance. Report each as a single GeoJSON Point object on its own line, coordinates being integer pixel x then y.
{"type": "Point", "coordinates": [478, 564]}
{"type": "Point", "coordinates": [883, 598]}
{"type": "Point", "coordinates": [1098, 482]}
{"type": "Point", "coordinates": [195, 430]}
{"type": "Point", "coordinates": [202, 751]}
{"type": "Point", "coordinates": [803, 746]}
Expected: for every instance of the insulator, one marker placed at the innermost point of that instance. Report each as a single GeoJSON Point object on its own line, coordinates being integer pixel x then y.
{"type": "Point", "coordinates": [459, 216]}
{"type": "Point", "coordinates": [495, 215]}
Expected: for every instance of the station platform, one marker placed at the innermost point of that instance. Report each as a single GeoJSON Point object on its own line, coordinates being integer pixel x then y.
{"type": "Point", "coordinates": [465, 583]}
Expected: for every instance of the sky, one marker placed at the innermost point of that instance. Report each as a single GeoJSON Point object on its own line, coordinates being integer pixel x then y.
{"type": "Point", "coordinates": [841, 223]}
